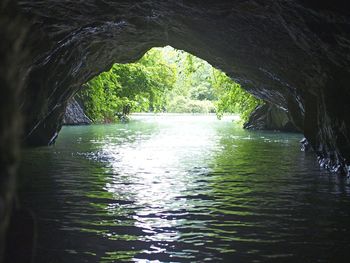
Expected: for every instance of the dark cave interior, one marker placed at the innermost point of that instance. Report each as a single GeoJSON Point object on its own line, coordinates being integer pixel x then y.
{"type": "Point", "coordinates": [292, 54]}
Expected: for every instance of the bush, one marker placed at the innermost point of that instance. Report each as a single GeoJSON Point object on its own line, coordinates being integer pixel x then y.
{"type": "Point", "coordinates": [181, 104]}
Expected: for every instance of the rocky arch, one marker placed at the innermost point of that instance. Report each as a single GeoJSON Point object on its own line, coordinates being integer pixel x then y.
{"type": "Point", "coordinates": [294, 54]}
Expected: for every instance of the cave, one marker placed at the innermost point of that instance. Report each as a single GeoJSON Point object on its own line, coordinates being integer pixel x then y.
{"type": "Point", "coordinates": [294, 55]}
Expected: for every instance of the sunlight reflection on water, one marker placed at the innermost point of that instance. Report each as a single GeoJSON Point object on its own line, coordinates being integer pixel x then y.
{"type": "Point", "coordinates": [184, 189]}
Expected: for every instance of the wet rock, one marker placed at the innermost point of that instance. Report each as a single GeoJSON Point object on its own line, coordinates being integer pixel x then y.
{"type": "Point", "coordinates": [304, 145]}
{"type": "Point", "coordinates": [74, 114]}
{"type": "Point", "coordinates": [270, 117]}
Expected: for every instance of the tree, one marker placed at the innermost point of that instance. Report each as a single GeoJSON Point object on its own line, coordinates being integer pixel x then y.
{"type": "Point", "coordinates": [231, 97]}
{"type": "Point", "coordinates": [164, 79]}
{"type": "Point", "coordinates": [130, 87]}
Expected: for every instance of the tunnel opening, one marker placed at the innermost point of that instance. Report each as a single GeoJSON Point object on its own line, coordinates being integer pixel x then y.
{"type": "Point", "coordinates": [292, 54]}
{"type": "Point", "coordinates": [164, 80]}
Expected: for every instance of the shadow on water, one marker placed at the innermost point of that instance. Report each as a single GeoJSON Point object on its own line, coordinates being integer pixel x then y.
{"type": "Point", "coordinates": [183, 189]}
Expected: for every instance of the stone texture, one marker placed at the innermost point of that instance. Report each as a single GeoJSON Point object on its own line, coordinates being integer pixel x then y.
{"type": "Point", "coordinates": [12, 53]}
{"type": "Point", "coordinates": [270, 117]}
{"type": "Point", "coordinates": [294, 54]}
{"type": "Point", "coordinates": [75, 115]}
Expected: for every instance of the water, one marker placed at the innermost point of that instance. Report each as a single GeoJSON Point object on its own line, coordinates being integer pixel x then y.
{"type": "Point", "coordinates": [183, 189]}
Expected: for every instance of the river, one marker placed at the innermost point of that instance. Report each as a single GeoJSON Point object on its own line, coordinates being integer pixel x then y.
{"type": "Point", "coordinates": [176, 188]}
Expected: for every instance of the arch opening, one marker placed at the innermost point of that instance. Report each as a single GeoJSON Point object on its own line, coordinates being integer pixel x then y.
{"type": "Point", "coordinates": [292, 54]}
{"type": "Point", "coordinates": [164, 80]}
{"type": "Point", "coordinates": [283, 60]}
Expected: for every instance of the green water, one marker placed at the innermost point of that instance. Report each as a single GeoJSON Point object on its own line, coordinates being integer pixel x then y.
{"type": "Point", "coordinates": [183, 189]}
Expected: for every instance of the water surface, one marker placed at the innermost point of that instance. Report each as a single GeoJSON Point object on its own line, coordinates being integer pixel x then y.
{"type": "Point", "coordinates": [183, 189]}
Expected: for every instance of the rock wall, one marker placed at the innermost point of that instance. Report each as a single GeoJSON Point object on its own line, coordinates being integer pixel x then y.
{"type": "Point", "coordinates": [12, 54]}
{"type": "Point", "coordinates": [294, 54]}
{"type": "Point", "coordinates": [270, 117]}
{"type": "Point", "coordinates": [74, 114]}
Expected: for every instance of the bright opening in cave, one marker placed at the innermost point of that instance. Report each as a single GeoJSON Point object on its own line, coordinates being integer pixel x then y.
{"type": "Point", "coordinates": [164, 80]}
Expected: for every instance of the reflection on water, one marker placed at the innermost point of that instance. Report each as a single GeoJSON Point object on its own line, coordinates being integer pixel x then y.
{"type": "Point", "coordinates": [183, 189]}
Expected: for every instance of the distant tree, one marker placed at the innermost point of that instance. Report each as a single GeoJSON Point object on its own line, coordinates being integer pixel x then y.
{"type": "Point", "coordinates": [130, 87]}
{"type": "Point", "coordinates": [231, 97]}
{"type": "Point", "coordinates": [164, 79]}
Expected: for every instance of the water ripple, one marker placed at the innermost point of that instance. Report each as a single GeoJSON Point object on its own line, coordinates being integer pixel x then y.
{"type": "Point", "coordinates": [183, 189]}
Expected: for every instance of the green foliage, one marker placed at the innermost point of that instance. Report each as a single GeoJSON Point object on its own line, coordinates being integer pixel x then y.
{"type": "Point", "coordinates": [181, 104]}
{"type": "Point", "coordinates": [131, 87]}
{"type": "Point", "coordinates": [231, 97]}
{"type": "Point", "coordinates": [164, 79]}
